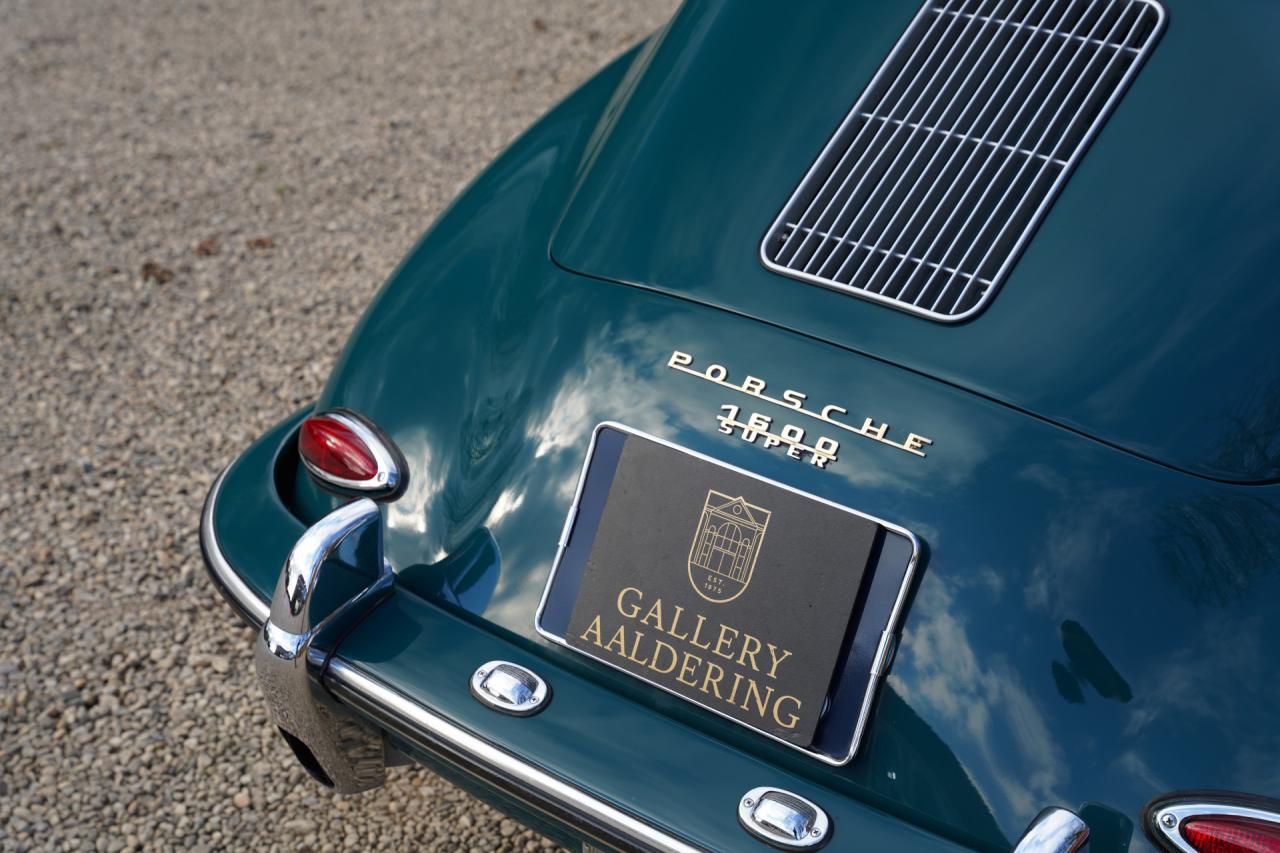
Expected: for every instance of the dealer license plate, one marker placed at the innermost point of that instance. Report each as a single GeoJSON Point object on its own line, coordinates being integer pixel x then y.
{"type": "Point", "coordinates": [732, 591]}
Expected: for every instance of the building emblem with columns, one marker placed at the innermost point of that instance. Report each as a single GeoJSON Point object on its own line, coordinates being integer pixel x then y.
{"type": "Point", "coordinates": [725, 546]}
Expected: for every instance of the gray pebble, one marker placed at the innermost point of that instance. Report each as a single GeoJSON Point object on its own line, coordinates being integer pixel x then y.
{"type": "Point", "coordinates": [144, 341]}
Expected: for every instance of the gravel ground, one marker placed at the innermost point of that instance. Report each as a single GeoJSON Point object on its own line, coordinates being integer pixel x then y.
{"type": "Point", "coordinates": [196, 201]}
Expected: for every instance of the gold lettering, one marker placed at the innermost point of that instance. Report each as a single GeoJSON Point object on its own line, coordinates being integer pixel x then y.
{"type": "Point", "coordinates": [792, 718]}
{"type": "Point", "coordinates": [916, 442]}
{"type": "Point", "coordinates": [697, 632]}
{"type": "Point", "coordinates": [872, 431]}
{"type": "Point", "coordinates": [619, 637]}
{"type": "Point", "coordinates": [725, 642]}
{"type": "Point", "coordinates": [655, 612]}
{"type": "Point", "coordinates": [696, 671]}
{"type": "Point", "coordinates": [713, 681]}
{"type": "Point", "coordinates": [658, 646]}
{"type": "Point", "coordinates": [792, 433]}
{"type": "Point", "coordinates": [737, 679]}
{"type": "Point", "coordinates": [761, 703]}
{"type": "Point", "coordinates": [759, 422]}
{"type": "Point", "coordinates": [593, 628]}
{"type": "Point", "coordinates": [729, 421]}
{"type": "Point", "coordinates": [635, 608]}
{"type": "Point", "coordinates": [635, 644]}
{"type": "Point", "coordinates": [824, 450]}
{"type": "Point", "coordinates": [747, 642]}
{"type": "Point", "coordinates": [687, 668]}
{"type": "Point", "coordinates": [794, 399]}
{"type": "Point", "coordinates": [675, 620]}
{"type": "Point", "coordinates": [773, 653]}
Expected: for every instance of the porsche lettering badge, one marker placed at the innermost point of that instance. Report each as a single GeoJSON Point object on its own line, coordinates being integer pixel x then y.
{"type": "Point", "coordinates": [755, 427]}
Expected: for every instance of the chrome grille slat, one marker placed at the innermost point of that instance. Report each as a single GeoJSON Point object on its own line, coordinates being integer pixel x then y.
{"type": "Point", "coordinates": [849, 202]}
{"type": "Point", "coordinates": [961, 61]}
{"type": "Point", "coordinates": [958, 204]}
{"type": "Point", "coordinates": [963, 136]}
{"type": "Point", "coordinates": [939, 174]}
{"type": "Point", "coordinates": [1037, 29]}
{"type": "Point", "coordinates": [1047, 100]}
{"type": "Point", "coordinates": [935, 203]}
{"type": "Point", "coordinates": [994, 242]}
{"type": "Point", "coordinates": [870, 144]}
{"type": "Point", "coordinates": [891, 252]}
{"type": "Point", "coordinates": [997, 144]}
{"type": "Point", "coordinates": [1144, 11]}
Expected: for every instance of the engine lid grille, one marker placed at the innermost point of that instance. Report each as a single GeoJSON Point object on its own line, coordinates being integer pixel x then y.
{"type": "Point", "coordinates": [949, 160]}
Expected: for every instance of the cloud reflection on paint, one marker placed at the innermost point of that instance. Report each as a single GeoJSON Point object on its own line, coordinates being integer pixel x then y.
{"type": "Point", "coordinates": [1014, 760]}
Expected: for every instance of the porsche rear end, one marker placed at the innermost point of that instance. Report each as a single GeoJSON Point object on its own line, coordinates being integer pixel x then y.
{"type": "Point", "coordinates": [996, 276]}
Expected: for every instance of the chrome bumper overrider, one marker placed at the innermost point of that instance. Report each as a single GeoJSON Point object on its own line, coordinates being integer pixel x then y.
{"type": "Point", "coordinates": [326, 586]}
{"type": "Point", "coordinates": [310, 689]}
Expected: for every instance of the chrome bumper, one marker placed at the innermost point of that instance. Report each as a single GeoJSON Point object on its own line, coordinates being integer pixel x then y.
{"type": "Point", "coordinates": [338, 710]}
{"type": "Point", "coordinates": [325, 681]}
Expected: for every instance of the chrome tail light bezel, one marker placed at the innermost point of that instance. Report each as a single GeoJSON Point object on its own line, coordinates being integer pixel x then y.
{"type": "Point", "coordinates": [392, 473]}
{"type": "Point", "coordinates": [1164, 817]}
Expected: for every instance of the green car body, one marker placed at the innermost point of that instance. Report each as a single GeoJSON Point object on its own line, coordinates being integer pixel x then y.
{"type": "Point", "coordinates": [1092, 624]}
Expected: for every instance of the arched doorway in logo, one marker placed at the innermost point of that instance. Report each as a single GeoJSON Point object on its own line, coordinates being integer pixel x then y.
{"type": "Point", "coordinates": [725, 546]}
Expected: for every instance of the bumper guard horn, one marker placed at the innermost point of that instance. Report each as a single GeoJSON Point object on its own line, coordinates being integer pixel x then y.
{"type": "Point", "coordinates": [326, 586]}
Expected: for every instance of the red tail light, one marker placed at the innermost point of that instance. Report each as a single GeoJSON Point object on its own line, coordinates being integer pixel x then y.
{"type": "Point", "coordinates": [1214, 822]}
{"type": "Point", "coordinates": [342, 450]}
{"type": "Point", "coordinates": [1219, 834]}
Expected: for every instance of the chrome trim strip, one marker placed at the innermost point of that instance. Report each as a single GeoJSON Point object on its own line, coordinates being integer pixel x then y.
{"type": "Point", "coordinates": [895, 615]}
{"type": "Point", "coordinates": [418, 718]}
{"type": "Point", "coordinates": [379, 697]}
{"type": "Point", "coordinates": [1054, 830]}
{"type": "Point", "coordinates": [229, 582]}
{"type": "Point", "coordinates": [1167, 820]}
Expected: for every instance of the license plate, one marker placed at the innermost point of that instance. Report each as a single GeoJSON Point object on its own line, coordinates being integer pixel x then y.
{"type": "Point", "coordinates": [766, 605]}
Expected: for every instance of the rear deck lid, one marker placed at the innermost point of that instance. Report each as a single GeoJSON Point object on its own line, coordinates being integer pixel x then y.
{"type": "Point", "coordinates": [1137, 311]}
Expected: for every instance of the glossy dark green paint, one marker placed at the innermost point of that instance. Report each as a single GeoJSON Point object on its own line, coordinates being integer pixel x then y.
{"type": "Point", "coordinates": [1142, 312]}
{"type": "Point", "coordinates": [430, 651]}
{"type": "Point", "coordinates": [1090, 629]}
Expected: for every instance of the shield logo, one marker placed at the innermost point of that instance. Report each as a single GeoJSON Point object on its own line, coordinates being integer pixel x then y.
{"type": "Point", "coordinates": [725, 545]}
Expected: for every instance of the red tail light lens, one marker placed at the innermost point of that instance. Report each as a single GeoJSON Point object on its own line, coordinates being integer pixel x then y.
{"type": "Point", "coordinates": [1220, 834]}
{"type": "Point", "coordinates": [342, 450]}
{"type": "Point", "coordinates": [336, 450]}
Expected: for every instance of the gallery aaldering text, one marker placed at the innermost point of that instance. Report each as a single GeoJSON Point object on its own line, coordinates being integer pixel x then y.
{"type": "Point", "coordinates": [733, 683]}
